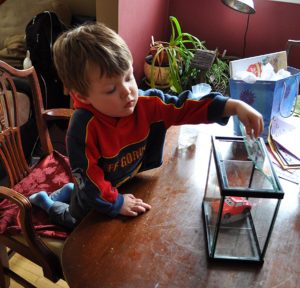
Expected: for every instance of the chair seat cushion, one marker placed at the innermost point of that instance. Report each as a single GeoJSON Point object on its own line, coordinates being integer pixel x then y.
{"type": "Point", "coordinates": [51, 173]}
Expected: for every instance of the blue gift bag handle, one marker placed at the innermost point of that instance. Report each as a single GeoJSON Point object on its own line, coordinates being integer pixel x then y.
{"type": "Point", "coordinates": [282, 100]}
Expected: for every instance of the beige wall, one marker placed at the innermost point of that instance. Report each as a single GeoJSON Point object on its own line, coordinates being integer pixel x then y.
{"type": "Point", "coordinates": [107, 11]}
{"type": "Point", "coordinates": [104, 10]}
{"type": "Point", "coordinates": [83, 7]}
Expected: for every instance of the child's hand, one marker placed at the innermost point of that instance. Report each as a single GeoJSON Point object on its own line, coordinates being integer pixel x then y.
{"type": "Point", "coordinates": [251, 118]}
{"type": "Point", "coordinates": [133, 206]}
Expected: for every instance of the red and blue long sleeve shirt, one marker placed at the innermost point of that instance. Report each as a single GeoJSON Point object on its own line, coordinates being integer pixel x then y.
{"type": "Point", "coordinates": [105, 152]}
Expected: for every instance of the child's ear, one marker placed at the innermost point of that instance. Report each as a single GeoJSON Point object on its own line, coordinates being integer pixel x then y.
{"type": "Point", "coordinates": [79, 97]}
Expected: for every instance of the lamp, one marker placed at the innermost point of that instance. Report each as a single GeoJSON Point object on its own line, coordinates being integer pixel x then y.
{"type": "Point", "coordinates": [243, 6]}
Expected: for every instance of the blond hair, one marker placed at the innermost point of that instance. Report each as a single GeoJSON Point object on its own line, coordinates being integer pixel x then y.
{"type": "Point", "coordinates": [89, 44]}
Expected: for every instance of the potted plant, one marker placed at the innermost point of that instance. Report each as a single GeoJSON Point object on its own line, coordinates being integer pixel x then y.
{"type": "Point", "coordinates": [173, 60]}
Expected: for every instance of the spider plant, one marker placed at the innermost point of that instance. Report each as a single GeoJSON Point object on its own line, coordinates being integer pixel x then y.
{"type": "Point", "coordinates": [179, 51]}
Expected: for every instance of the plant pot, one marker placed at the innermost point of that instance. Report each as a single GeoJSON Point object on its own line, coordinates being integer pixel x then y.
{"type": "Point", "coordinates": [159, 74]}
{"type": "Point", "coordinates": [162, 58]}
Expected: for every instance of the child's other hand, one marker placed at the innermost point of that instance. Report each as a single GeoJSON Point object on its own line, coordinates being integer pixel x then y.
{"type": "Point", "coordinates": [133, 206]}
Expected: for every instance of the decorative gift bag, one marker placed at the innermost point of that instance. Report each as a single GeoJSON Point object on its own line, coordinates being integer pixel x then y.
{"type": "Point", "coordinates": [270, 98]}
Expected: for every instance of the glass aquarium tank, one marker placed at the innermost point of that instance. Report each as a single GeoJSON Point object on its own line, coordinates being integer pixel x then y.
{"type": "Point", "coordinates": [241, 199]}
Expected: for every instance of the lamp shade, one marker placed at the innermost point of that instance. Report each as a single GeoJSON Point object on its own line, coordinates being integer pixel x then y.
{"type": "Point", "coordinates": [244, 6]}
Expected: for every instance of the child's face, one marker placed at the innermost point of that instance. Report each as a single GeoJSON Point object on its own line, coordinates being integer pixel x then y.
{"type": "Point", "coordinates": [113, 96]}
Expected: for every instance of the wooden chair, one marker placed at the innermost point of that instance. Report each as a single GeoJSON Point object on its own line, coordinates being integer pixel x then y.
{"type": "Point", "coordinates": [21, 227]}
{"type": "Point", "coordinates": [290, 44]}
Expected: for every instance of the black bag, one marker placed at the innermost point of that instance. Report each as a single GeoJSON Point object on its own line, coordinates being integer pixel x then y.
{"type": "Point", "coordinates": [41, 32]}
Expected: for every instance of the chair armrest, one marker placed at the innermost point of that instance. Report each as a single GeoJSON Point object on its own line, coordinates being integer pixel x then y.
{"type": "Point", "coordinates": [16, 197]}
{"type": "Point", "coordinates": [32, 239]}
{"type": "Point", "coordinates": [58, 113]}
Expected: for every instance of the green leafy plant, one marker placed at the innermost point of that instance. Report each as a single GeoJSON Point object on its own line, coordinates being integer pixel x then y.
{"type": "Point", "coordinates": [218, 75]}
{"type": "Point", "coordinates": [177, 54]}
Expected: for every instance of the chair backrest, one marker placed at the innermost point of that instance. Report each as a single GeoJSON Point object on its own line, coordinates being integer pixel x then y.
{"type": "Point", "coordinates": [11, 150]}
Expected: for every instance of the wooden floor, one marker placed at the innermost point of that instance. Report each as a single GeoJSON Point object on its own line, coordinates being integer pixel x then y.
{"type": "Point", "coordinates": [32, 273]}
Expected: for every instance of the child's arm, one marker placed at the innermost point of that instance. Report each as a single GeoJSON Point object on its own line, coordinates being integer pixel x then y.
{"type": "Point", "coordinates": [251, 118]}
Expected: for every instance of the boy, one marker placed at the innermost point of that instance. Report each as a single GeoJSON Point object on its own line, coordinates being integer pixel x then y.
{"type": "Point", "coordinates": [117, 130]}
